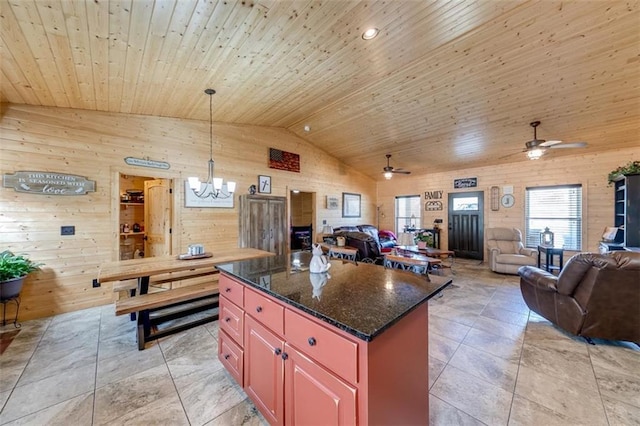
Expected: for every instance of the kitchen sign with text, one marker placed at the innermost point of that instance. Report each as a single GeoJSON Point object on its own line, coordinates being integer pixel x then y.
{"type": "Point", "coordinates": [48, 183]}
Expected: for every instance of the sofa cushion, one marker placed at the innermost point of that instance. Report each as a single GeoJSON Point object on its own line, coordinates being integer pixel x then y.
{"type": "Point", "coordinates": [347, 228]}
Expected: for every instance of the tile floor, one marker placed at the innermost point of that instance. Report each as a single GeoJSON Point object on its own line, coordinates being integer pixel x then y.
{"type": "Point", "coordinates": [491, 362]}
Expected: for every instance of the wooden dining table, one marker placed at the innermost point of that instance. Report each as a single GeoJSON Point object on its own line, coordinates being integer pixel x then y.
{"type": "Point", "coordinates": [146, 267]}
{"type": "Point", "coordinates": [171, 268]}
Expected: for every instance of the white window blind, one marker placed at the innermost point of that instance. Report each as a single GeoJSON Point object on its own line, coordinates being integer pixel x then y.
{"type": "Point", "coordinates": [408, 209]}
{"type": "Point", "coordinates": [560, 209]}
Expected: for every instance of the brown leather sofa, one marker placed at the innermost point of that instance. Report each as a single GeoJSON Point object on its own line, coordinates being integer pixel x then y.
{"type": "Point", "coordinates": [595, 295]}
{"type": "Point", "coordinates": [365, 238]}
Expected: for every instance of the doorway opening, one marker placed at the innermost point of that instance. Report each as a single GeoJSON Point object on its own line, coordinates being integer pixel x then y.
{"type": "Point", "coordinates": [302, 215]}
{"type": "Point", "coordinates": [145, 216]}
{"type": "Point", "coordinates": [466, 224]}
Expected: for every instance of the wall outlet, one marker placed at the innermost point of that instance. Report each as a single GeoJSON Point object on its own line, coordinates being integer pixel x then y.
{"type": "Point", "coordinates": [67, 230]}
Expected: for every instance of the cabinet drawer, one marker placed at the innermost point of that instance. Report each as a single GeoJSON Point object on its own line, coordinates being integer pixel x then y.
{"type": "Point", "coordinates": [230, 355]}
{"type": "Point", "coordinates": [335, 352]}
{"type": "Point", "coordinates": [232, 290]}
{"type": "Point", "coordinates": [264, 310]}
{"type": "Point", "coordinates": [231, 319]}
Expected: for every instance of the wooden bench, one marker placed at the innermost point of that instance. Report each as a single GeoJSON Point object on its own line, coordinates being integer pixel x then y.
{"type": "Point", "coordinates": [128, 285]}
{"type": "Point", "coordinates": [164, 305]}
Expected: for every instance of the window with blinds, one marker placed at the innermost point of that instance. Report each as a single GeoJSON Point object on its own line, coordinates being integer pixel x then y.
{"type": "Point", "coordinates": [408, 209]}
{"type": "Point", "coordinates": [560, 209]}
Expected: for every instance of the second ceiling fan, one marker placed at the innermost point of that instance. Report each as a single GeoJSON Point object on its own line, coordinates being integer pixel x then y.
{"type": "Point", "coordinates": [536, 148]}
{"type": "Point", "coordinates": [389, 171]}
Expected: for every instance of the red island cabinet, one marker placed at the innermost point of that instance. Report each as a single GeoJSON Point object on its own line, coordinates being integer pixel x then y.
{"type": "Point", "coordinates": [299, 370]}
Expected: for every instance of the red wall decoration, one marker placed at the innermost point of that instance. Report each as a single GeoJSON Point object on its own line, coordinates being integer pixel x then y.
{"type": "Point", "coordinates": [283, 160]}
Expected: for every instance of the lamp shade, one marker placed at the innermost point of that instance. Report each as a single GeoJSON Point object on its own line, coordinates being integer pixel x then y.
{"type": "Point", "coordinates": [327, 229]}
{"type": "Point", "coordinates": [406, 239]}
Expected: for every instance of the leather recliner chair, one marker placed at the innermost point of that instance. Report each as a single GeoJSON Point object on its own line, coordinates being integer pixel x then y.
{"type": "Point", "coordinates": [595, 295]}
{"type": "Point", "coordinates": [506, 251]}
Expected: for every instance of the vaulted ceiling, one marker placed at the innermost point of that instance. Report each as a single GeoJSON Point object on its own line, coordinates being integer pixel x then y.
{"type": "Point", "coordinates": [446, 84]}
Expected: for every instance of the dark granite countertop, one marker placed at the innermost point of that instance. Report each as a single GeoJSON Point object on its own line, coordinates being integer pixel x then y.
{"type": "Point", "coordinates": [361, 299]}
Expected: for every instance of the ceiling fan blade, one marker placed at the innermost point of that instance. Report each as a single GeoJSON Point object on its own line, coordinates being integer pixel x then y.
{"type": "Point", "coordinates": [404, 172]}
{"type": "Point", "coordinates": [569, 145]}
{"type": "Point", "coordinates": [550, 143]}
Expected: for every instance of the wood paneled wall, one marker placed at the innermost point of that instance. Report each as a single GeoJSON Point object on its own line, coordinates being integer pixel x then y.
{"type": "Point", "coordinates": [94, 144]}
{"type": "Point", "coordinates": [589, 170]}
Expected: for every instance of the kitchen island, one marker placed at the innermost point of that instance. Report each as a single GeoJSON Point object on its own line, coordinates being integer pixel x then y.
{"type": "Point", "coordinates": [347, 347]}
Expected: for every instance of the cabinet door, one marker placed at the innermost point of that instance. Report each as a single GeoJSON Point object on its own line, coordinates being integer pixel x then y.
{"type": "Point", "coordinates": [263, 370]}
{"type": "Point", "coordinates": [277, 226]}
{"type": "Point", "coordinates": [313, 395]}
{"type": "Point", "coordinates": [258, 224]}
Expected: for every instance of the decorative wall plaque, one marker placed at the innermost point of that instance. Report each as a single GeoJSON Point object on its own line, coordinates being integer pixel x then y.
{"type": "Point", "coordinates": [145, 162]}
{"type": "Point", "coordinates": [191, 200]}
{"type": "Point", "coordinates": [465, 183]}
{"type": "Point", "coordinates": [433, 206]}
{"type": "Point", "coordinates": [48, 183]}
{"type": "Point", "coordinates": [433, 195]}
{"type": "Point", "coordinates": [283, 160]}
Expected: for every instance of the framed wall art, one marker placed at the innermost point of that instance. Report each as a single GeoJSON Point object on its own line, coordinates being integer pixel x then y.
{"type": "Point", "coordinates": [350, 205]}
{"type": "Point", "coordinates": [264, 184]}
{"type": "Point", "coordinates": [191, 200]}
{"type": "Point", "coordinates": [332, 202]}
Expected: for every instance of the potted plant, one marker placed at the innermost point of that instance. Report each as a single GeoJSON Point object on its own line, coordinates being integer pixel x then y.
{"type": "Point", "coordinates": [13, 269]}
{"type": "Point", "coordinates": [631, 168]}
{"type": "Point", "coordinates": [424, 239]}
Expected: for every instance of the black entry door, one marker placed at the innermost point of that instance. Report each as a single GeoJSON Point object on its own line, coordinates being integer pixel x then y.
{"type": "Point", "coordinates": [466, 224]}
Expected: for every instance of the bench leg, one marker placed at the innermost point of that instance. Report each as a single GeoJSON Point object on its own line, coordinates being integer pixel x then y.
{"type": "Point", "coordinates": [140, 337]}
{"type": "Point", "coordinates": [132, 293]}
{"type": "Point", "coordinates": [144, 328]}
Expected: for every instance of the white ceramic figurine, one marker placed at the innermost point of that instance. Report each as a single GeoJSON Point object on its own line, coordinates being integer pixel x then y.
{"type": "Point", "coordinates": [319, 262]}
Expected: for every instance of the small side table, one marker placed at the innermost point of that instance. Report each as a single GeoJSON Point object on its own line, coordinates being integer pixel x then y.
{"type": "Point", "coordinates": [549, 253]}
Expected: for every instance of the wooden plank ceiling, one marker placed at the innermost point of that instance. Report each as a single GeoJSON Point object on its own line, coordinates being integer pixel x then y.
{"type": "Point", "coordinates": [446, 85]}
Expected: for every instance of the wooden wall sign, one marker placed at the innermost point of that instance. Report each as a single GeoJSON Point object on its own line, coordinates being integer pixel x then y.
{"type": "Point", "coordinates": [465, 183]}
{"type": "Point", "coordinates": [48, 183]}
{"type": "Point", "coordinates": [433, 206]}
{"type": "Point", "coordinates": [145, 162]}
{"type": "Point", "coordinates": [433, 195]}
{"type": "Point", "coordinates": [283, 160]}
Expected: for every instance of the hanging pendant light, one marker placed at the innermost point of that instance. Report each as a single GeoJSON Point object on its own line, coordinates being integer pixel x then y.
{"type": "Point", "coordinates": [213, 187]}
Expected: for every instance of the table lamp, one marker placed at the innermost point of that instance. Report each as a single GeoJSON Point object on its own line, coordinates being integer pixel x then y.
{"type": "Point", "coordinates": [406, 239]}
{"type": "Point", "coordinates": [546, 238]}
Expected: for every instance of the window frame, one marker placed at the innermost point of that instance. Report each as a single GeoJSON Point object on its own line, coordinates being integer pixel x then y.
{"type": "Point", "coordinates": [570, 235]}
{"type": "Point", "coordinates": [408, 219]}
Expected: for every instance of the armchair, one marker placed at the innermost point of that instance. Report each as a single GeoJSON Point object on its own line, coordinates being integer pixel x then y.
{"type": "Point", "coordinates": [595, 295]}
{"type": "Point", "coordinates": [506, 251]}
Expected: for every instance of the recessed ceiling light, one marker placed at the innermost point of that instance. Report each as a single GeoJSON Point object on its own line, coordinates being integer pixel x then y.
{"type": "Point", "coordinates": [307, 128]}
{"type": "Point", "coordinates": [370, 33]}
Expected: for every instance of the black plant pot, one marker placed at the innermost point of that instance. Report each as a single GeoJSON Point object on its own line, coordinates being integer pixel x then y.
{"type": "Point", "coordinates": [11, 289]}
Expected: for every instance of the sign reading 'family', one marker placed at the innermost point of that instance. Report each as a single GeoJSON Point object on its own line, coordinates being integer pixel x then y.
{"type": "Point", "coordinates": [48, 183]}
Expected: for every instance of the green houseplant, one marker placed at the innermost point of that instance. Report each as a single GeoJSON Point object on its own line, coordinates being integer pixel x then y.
{"type": "Point", "coordinates": [13, 269]}
{"type": "Point", "coordinates": [424, 239]}
{"type": "Point", "coordinates": [631, 168]}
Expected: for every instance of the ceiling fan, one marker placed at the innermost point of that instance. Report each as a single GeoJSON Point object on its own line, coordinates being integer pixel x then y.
{"type": "Point", "coordinates": [536, 148]}
{"type": "Point", "coordinates": [388, 171]}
